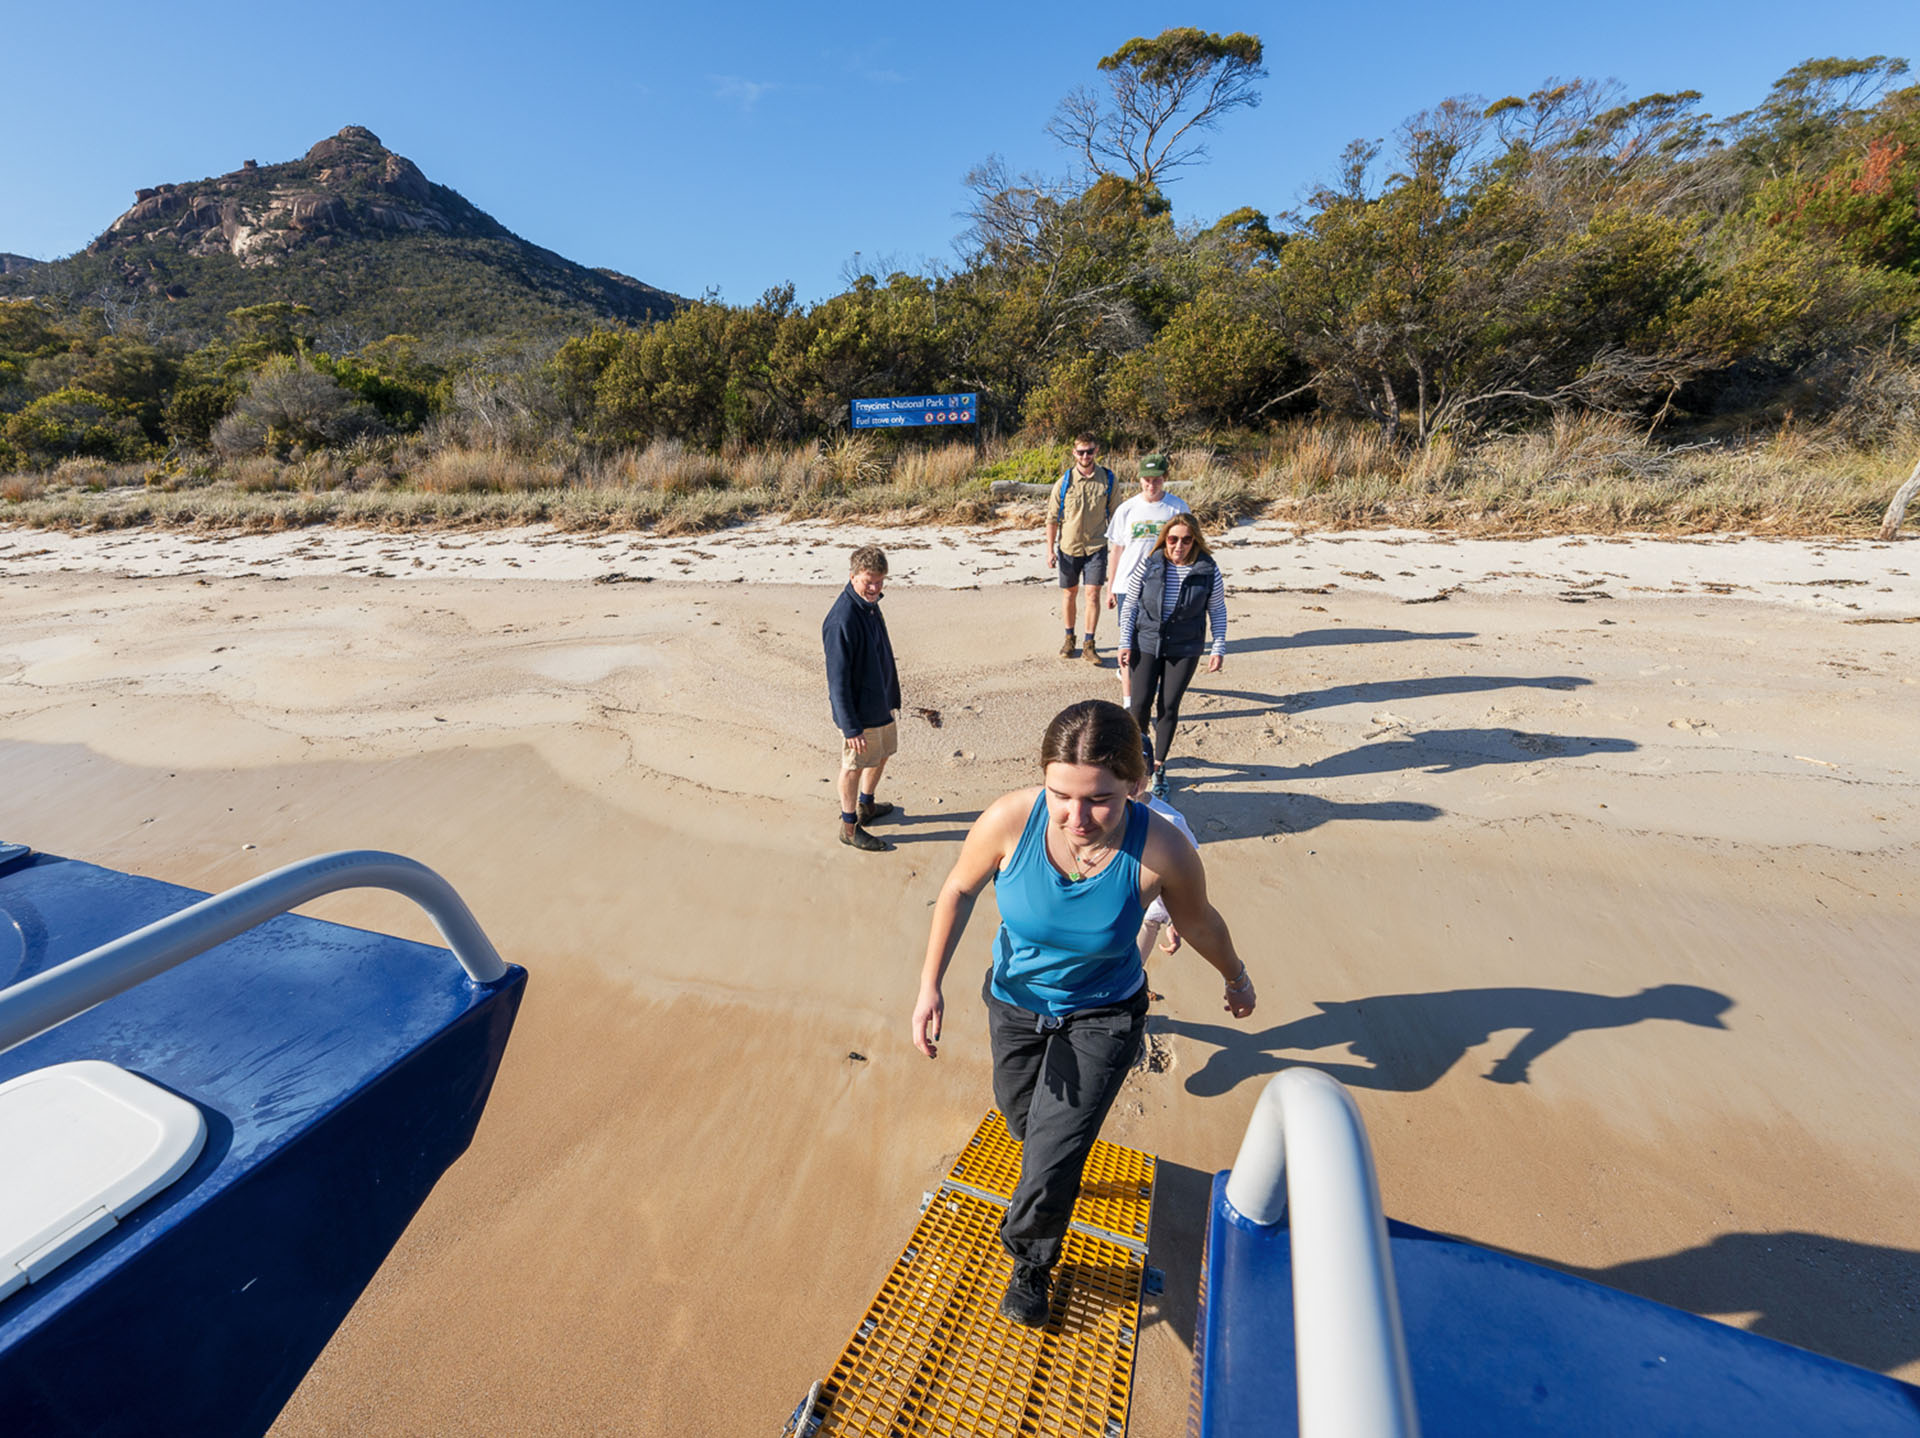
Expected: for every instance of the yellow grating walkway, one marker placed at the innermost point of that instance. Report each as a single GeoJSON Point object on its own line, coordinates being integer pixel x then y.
{"type": "Point", "coordinates": [1116, 1187]}
{"type": "Point", "coordinates": [932, 1355]}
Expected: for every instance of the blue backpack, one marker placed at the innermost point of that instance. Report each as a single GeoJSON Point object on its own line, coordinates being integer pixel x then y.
{"type": "Point", "coordinates": [1060, 493]}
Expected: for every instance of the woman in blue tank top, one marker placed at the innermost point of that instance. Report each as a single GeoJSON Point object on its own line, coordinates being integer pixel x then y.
{"type": "Point", "coordinates": [1074, 863]}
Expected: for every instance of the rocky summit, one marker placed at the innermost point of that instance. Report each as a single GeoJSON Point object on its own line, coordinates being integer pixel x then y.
{"type": "Point", "coordinates": [347, 185]}
{"type": "Point", "coordinates": [351, 230]}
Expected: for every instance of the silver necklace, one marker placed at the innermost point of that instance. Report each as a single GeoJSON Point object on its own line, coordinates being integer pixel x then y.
{"type": "Point", "coordinates": [1080, 868]}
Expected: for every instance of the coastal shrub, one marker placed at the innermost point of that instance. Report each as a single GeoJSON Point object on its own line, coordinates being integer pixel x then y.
{"type": "Point", "coordinates": [1040, 463]}
{"type": "Point", "coordinates": [1215, 362]}
{"type": "Point", "coordinates": [289, 405]}
{"type": "Point", "coordinates": [1071, 398]}
{"type": "Point", "coordinates": [500, 400]}
{"type": "Point", "coordinates": [196, 408]}
{"type": "Point", "coordinates": [76, 422]}
{"type": "Point", "coordinates": [390, 377]}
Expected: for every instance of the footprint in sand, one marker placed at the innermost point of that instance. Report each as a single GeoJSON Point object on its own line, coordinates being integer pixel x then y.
{"type": "Point", "coordinates": [1696, 726]}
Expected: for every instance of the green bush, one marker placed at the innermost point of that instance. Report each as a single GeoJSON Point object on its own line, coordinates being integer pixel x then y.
{"type": "Point", "coordinates": [292, 407]}
{"type": "Point", "coordinates": [1030, 464]}
{"type": "Point", "coordinates": [195, 409]}
{"type": "Point", "coordinates": [72, 423]}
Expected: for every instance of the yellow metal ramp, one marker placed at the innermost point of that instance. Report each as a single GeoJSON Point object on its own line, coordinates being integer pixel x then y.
{"type": "Point", "coordinates": [932, 1355]}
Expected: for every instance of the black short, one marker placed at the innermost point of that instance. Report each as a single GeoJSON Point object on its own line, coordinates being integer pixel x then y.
{"type": "Point", "coordinates": [1079, 569]}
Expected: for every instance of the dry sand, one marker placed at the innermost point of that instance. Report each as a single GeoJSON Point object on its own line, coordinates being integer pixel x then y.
{"type": "Point", "coordinates": [1462, 845]}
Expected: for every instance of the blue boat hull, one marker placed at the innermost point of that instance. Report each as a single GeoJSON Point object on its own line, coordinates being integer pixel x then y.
{"type": "Point", "coordinates": [1497, 1345]}
{"type": "Point", "coordinates": [340, 1072]}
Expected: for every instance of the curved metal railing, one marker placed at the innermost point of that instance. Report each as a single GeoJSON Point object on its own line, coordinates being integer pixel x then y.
{"type": "Point", "coordinates": [37, 1004]}
{"type": "Point", "coordinates": [1306, 1147]}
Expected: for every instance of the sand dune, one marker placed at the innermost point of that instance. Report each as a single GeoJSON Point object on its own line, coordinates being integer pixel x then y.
{"type": "Point", "coordinates": [1604, 906]}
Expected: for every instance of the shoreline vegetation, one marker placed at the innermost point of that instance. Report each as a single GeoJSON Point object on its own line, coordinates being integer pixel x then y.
{"type": "Point", "coordinates": [1569, 310]}
{"type": "Point", "coordinates": [1585, 473]}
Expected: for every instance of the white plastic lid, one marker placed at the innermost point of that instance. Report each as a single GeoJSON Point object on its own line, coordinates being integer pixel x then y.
{"type": "Point", "coordinates": [82, 1144]}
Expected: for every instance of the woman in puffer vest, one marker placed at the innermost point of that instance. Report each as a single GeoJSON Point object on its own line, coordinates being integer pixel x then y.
{"type": "Point", "coordinates": [1176, 595]}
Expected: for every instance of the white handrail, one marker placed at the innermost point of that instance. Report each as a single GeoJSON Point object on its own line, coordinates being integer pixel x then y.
{"type": "Point", "coordinates": [1306, 1146]}
{"type": "Point", "coordinates": [45, 1000]}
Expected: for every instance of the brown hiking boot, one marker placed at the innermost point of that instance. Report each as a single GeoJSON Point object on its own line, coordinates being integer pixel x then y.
{"type": "Point", "coordinates": [877, 810]}
{"type": "Point", "coordinates": [1089, 653]}
{"type": "Point", "coordinates": [1068, 649]}
{"type": "Point", "coordinates": [859, 838]}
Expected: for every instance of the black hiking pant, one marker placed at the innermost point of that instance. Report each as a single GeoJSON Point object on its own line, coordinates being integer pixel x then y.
{"type": "Point", "coordinates": [1054, 1086]}
{"type": "Point", "coordinates": [1155, 677]}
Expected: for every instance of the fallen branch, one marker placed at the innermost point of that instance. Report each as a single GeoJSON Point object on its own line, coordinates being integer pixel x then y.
{"type": "Point", "coordinates": [1890, 526]}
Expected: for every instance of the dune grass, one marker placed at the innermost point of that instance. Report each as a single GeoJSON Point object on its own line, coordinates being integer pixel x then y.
{"type": "Point", "coordinates": [1581, 473]}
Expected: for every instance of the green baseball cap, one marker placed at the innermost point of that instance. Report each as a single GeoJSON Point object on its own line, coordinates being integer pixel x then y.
{"type": "Point", "coordinates": [1154, 464]}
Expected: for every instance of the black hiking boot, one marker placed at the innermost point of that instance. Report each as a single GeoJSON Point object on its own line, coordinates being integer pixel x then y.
{"type": "Point", "coordinates": [1026, 1298]}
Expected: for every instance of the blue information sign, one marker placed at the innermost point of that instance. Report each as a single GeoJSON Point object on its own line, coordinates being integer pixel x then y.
{"type": "Point", "coordinates": [916, 409]}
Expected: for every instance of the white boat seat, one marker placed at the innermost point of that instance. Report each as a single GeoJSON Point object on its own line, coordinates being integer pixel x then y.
{"type": "Point", "coordinates": [82, 1145]}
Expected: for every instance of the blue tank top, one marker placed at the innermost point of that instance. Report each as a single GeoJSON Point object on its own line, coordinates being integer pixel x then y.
{"type": "Point", "coordinates": [1066, 945]}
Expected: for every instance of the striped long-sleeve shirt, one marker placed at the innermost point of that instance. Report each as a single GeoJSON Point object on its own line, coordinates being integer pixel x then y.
{"type": "Point", "coordinates": [1176, 575]}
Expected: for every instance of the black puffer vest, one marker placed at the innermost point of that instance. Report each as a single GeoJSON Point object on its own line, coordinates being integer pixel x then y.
{"type": "Point", "coordinates": [1182, 633]}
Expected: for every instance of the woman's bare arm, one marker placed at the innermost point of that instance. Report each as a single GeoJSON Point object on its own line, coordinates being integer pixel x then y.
{"type": "Point", "coordinates": [989, 843]}
{"type": "Point", "coordinates": [1183, 887]}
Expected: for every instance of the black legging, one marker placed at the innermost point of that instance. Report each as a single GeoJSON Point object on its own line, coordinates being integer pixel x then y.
{"type": "Point", "coordinates": [1168, 678]}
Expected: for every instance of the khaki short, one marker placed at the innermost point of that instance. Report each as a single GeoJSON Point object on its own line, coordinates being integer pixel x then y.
{"type": "Point", "coordinates": [883, 743]}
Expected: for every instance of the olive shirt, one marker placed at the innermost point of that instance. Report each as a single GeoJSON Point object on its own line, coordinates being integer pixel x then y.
{"type": "Point", "coordinates": [1083, 508]}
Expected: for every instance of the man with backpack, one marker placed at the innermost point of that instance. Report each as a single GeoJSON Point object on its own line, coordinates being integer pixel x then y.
{"type": "Point", "coordinates": [1078, 513]}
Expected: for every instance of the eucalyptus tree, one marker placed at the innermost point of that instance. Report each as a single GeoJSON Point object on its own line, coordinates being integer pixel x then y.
{"type": "Point", "coordinates": [1161, 95]}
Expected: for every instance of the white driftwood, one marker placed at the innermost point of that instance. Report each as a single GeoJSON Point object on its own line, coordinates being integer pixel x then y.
{"type": "Point", "coordinates": [1890, 526]}
{"type": "Point", "coordinates": [1014, 489]}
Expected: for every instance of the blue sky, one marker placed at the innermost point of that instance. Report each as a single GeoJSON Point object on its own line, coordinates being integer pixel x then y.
{"type": "Point", "coordinates": [735, 146]}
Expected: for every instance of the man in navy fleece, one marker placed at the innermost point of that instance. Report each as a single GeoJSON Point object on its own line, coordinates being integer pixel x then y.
{"type": "Point", "coordinates": [864, 688]}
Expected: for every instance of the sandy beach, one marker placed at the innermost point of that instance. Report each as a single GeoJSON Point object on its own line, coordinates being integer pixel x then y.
{"type": "Point", "coordinates": [1589, 864]}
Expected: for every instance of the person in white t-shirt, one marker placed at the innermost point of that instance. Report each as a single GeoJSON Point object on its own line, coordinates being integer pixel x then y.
{"type": "Point", "coordinates": [1132, 532]}
{"type": "Point", "coordinates": [1158, 923]}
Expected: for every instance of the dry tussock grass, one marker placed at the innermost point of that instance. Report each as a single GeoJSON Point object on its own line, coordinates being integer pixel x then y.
{"type": "Point", "coordinates": [492, 471]}
{"type": "Point", "coordinates": [944, 468]}
{"type": "Point", "coordinates": [94, 474]}
{"type": "Point", "coordinates": [849, 461]}
{"type": "Point", "coordinates": [1579, 473]}
{"type": "Point", "coordinates": [1306, 456]}
{"type": "Point", "coordinates": [666, 466]}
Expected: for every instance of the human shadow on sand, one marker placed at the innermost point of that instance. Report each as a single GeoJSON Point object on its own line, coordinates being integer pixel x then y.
{"type": "Point", "coordinates": [1436, 751]}
{"type": "Point", "coordinates": [1406, 1042]}
{"type": "Point", "coordinates": [1181, 1198]}
{"type": "Point", "coordinates": [1381, 691]}
{"type": "Point", "coordinates": [1851, 1301]}
{"type": "Point", "coordinates": [905, 828]}
{"type": "Point", "coordinates": [1218, 813]}
{"type": "Point", "coordinates": [1314, 638]}
{"type": "Point", "coordinates": [1450, 751]}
